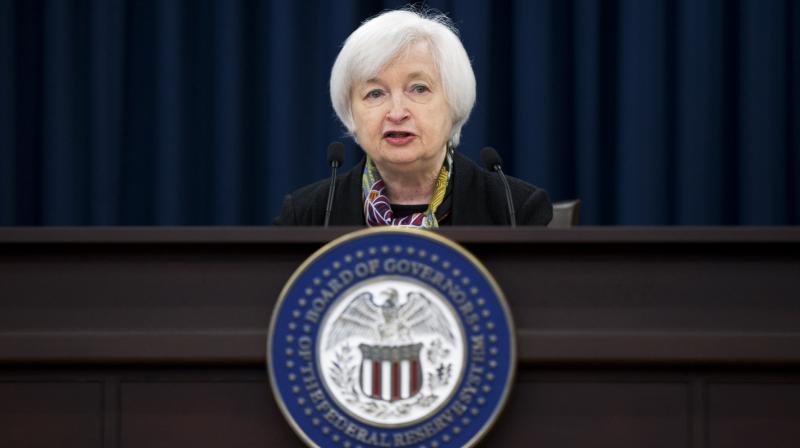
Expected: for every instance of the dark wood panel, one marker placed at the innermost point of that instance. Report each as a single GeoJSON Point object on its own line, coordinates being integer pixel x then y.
{"type": "Point", "coordinates": [566, 406]}
{"type": "Point", "coordinates": [201, 414]}
{"type": "Point", "coordinates": [51, 414]}
{"type": "Point", "coordinates": [134, 289]}
{"type": "Point", "coordinates": [746, 415]}
{"type": "Point", "coordinates": [627, 337]}
{"type": "Point", "coordinates": [658, 347]}
{"type": "Point", "coordinates": [595, 414]}
{"type": "Point", "coordinates": [651, 290]}
{"type": "Point", "coordinates": [205, 295]}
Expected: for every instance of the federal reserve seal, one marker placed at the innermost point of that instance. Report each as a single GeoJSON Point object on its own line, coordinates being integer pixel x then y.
{"type": "Point", "coordinates": [391, 338]}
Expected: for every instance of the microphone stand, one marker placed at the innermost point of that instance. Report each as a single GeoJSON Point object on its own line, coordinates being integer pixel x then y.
{"type": "Point", "coordinates": [491, 159]}
{"type": "Point", "coordinates": [335, 158]}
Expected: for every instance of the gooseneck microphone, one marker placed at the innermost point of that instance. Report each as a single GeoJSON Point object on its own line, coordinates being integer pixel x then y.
{"type": "Point", "coordinates": [491, 160]}
{"type": "Point", "coordinates": [335, 159]}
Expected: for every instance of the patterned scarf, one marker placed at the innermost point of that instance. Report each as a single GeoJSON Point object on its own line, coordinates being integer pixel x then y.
{"type": "Point", "coordinates": [378, 211]}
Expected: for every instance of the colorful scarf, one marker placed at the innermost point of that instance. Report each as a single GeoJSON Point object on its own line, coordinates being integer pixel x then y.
{"type": "Point", "coordinates": [378, 211]}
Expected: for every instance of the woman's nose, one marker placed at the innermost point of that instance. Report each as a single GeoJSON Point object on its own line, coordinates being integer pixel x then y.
{"type": "Point", "coordinates": [398, 111]}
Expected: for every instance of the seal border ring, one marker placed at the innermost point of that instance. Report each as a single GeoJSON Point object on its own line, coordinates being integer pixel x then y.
{"type": "Point", "coordinates": [361, 233]}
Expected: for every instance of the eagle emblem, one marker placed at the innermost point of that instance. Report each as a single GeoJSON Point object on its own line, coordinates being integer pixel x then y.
{"type": "Point", "coordinates": [391, 322]}
{"type": "Point", "coordinates": [390, 367]}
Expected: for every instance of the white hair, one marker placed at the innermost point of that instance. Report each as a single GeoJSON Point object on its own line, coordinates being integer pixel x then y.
{"type": "Point", "coordinates": [380, 39]}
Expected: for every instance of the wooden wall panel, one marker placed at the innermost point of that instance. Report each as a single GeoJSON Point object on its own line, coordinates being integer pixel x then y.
{"type": "Point", "coordinates": [626, 337]}
{"type": "Point", "coordinates": [621, 412]}
{"type": "Point", "coordinates": [199, 413]}
{"type": "Point", "coordinates": [747, 415]}
{"type": "Point", "coordinates": [577, 406]}
{"type": "Point", "coordinates": [51, 414]}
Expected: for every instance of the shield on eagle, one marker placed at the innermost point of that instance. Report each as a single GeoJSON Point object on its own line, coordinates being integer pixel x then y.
{"type": "Point", "coordinates": [390, 373]}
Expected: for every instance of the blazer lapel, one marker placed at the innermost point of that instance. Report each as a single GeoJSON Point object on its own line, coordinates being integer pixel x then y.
{"type": "Point", "coordinates": [469, 197]}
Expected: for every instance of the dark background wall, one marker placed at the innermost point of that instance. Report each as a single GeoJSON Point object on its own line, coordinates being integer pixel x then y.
{"type": "Point", "coordinates": [167, 112]}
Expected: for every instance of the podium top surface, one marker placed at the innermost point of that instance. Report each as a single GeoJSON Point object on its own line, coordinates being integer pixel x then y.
{"type": "Point", "coordinates": [476, 235]}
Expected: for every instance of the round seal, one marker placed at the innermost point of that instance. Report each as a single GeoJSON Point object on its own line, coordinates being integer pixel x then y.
{"type": "Point", "coordinates": [391, 337]}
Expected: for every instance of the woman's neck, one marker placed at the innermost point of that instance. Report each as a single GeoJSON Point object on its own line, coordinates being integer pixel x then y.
{"type": "Point", "coordinates": [411, 188]}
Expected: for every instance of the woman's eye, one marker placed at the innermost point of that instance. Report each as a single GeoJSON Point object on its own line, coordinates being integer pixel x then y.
{"type": "Point", "coordinates": [419, 88]}
{"type": "Point", "coordinates": [374, 94]}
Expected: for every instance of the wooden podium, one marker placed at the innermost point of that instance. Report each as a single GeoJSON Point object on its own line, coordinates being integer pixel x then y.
{"type": "Point", "coordinates": [627, 337]}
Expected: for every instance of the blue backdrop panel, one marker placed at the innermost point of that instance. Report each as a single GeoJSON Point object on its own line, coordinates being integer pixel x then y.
{"type": "Point", "coordinates": [205, 112]}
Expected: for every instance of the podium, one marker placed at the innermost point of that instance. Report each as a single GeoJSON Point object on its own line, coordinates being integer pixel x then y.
{"type": "Point", "coordinates": [627, 337]}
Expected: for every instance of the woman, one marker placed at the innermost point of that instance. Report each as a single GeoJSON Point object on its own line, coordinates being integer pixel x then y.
{"type": "Point", "coordinates": [403, 87]}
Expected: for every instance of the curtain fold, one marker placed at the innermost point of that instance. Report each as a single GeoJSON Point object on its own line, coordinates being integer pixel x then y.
{"type": "Point", "coordinates": [8, 159]}
{"type": "Point", "coordinates": [701, 154]}
{"type": "Point", "coordinates": [206, 112]}
{"type": "Point", "coordinates": [762, 83]}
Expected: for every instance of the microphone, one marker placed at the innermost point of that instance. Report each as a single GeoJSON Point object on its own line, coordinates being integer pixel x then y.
{"type": "Point", "coordinates": [491, 160]}
{"type": "Point", "coordinates": [335, 157]}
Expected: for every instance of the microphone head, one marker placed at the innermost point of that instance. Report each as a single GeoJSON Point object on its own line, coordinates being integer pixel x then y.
{"type": "Point", "coordinates": [336, 153]}
{"type": "Point", "coordinates": [490, 158]}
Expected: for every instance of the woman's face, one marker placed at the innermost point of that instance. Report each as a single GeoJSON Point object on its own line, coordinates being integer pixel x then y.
{"type": "Point", "coordinates": [401, 116]}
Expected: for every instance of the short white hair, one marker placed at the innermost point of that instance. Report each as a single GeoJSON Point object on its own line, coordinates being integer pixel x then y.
{"type": "Point", "coordinates": [380, 39]}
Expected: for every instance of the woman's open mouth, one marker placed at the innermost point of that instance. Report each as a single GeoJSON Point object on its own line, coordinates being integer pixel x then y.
{"type": "Point", "coordinates": [398, 138]}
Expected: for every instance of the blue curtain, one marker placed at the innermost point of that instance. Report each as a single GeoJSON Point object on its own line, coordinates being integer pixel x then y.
{"type": "Point", "coordinates": [201, 112]}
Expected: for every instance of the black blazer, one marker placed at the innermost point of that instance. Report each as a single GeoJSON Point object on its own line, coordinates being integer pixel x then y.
{"type": "Point", "coordinates": [478, 199]}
